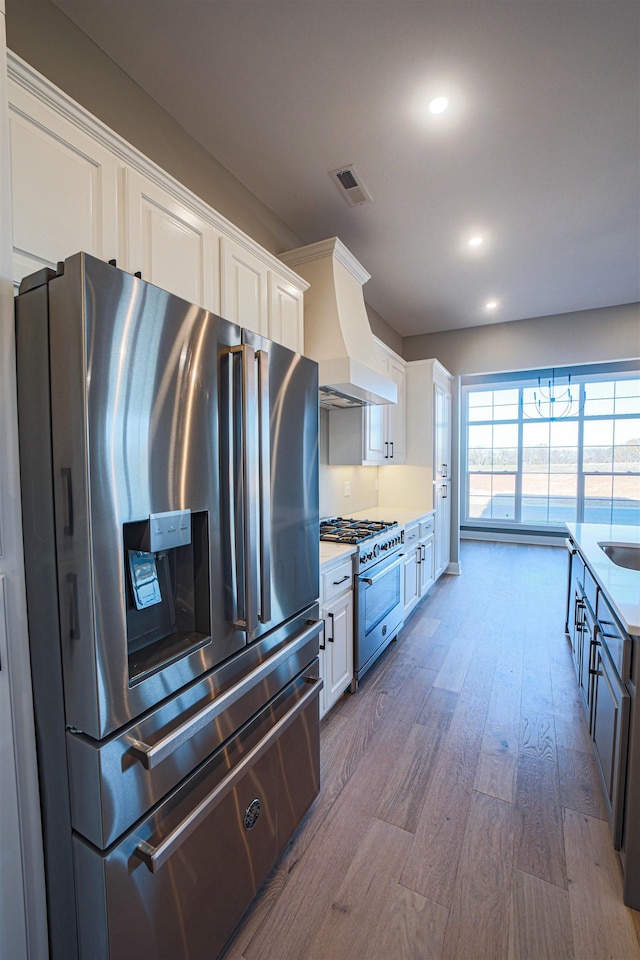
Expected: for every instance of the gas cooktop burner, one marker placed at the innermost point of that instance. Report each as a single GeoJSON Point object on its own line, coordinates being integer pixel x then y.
{"type": "Point", "coordinates": [348, 530]}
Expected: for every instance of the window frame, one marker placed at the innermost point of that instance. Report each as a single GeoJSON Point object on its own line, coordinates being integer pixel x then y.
{"type": "Point", "coordinates": [522, 380]}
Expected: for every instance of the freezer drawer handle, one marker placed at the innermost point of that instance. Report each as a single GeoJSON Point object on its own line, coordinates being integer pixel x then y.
{"type": "Point", "coordinates": [152, 755]}
{"type": "Point", "coordinates": [156, 856]}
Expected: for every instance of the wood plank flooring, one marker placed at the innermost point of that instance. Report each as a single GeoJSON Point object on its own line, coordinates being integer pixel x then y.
{"type": "Point", "coordinates": [460, 814]}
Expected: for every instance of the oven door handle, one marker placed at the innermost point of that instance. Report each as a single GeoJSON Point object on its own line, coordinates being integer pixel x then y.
{"type": "Point", "coordinates": [150, 755]}
{"type": "Point", "coordinates": [387, 569]}
{"type": "Point", "coordinates": [156, 856]}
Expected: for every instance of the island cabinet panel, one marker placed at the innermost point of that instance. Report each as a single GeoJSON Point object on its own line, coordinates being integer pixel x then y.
{"type": "Point", "coordinates": [610, 728]}
{"type": "Point", "coordinates": [601, 609]}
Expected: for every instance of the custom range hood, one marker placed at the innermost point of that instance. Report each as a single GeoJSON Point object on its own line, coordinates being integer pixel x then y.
{"type": "Point", "coordinates": [337, 333]}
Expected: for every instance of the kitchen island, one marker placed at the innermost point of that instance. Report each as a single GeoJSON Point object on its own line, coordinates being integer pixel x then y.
{"type": "Point", "coordinates": [603, 626]}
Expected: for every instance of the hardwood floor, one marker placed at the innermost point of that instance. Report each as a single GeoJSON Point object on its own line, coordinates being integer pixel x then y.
{"type": "Point", "coordinates": [460, 814]}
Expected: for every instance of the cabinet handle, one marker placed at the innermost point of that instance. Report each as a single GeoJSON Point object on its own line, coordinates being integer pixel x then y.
{"type": "Point", "coordinates": [424, 553]}
{"type": "Point", "coordinates": [444, 469]}
{"type": "Point", "coordinates": [330, 639]}
{"type": "Point", "coordinates": [386, 449]}
{"type": "Point", "coordinates": [444, 493]}
{"type": "Point", "coordinates": [338, 582]}
{"type": "Point", "coordinates": [392, 449]}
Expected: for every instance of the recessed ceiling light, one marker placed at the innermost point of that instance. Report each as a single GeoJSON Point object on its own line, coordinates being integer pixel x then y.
{"type": "Point", "coordinates": [475, 241]}
{"type": "Point", "coordinates": [491, 305]}
{"type": "Point", "coordinates": [439, 105]}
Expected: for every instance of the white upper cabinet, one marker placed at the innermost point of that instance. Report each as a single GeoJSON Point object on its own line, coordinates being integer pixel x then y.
{"type": "Point", "coordinates": [171, 245]}
{"type": "Point", "coordinates": [286, 313]}
{"type": "Point", "coordinates": [397, 412]}
{"type": "Point", "coordinates": [244, 287]}
{"type": "Point", "coordinates": [429, 417]}
{"type": "Point", "coordinates": [78, 186]}
{"type": "Point", "coordinates": [442, 430]}
{"type": "Point", "coordinates": [64, 186]}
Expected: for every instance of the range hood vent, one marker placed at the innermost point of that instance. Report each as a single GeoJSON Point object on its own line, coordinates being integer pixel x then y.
{"type": "Point", "coordinates": [337, 333]}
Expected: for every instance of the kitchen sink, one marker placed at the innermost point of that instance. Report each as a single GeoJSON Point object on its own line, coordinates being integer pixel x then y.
{"type": "Point", "coordinates": [623, 554]}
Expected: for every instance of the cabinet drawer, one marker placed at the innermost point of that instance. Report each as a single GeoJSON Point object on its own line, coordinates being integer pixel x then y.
{"type": "Point", "coordinates": [590, 588]}
{"type": "Point", "coordinates": [411, 534]}
{"type": "Point", "coordinates": [617, 642]}
{"type": "Point", "coordinates": [337, 580]}
{"type": "Point", "coordinates": [426, 527]}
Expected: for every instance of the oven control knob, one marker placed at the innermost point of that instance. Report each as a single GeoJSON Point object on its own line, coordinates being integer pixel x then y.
{"type": "Point", "coordinates": [376, 550]}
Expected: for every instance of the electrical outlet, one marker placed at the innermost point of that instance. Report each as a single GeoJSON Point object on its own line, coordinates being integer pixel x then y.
{"type": "Point", "coordinates": [347, 488]}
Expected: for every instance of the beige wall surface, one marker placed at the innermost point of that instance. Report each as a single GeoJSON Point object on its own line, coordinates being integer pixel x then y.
{"type": "Point", "coordinates": [588, 336]}
{"type": "Point", "coordinates": [383, 331]}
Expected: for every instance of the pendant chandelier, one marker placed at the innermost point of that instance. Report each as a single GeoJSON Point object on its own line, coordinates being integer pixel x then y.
{"type": "Point", "coordinates": [553, 401]}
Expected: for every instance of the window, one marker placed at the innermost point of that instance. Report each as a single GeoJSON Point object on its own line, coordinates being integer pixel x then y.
{"type": "Point", "coordinates": [525, 468]}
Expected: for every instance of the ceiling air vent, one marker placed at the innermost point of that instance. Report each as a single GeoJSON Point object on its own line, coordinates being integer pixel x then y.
{"type": "Point", "coordinates": [350, 185]}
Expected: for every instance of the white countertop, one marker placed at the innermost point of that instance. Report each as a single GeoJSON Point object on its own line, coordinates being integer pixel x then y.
{"type": "Point", "coordinates": [334, 551]}
{"type": "Point", "coordinates": [622, 586]}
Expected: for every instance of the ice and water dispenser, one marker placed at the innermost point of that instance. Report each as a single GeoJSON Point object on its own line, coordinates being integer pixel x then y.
{"type": "Point", "coordinates": [166, 559]}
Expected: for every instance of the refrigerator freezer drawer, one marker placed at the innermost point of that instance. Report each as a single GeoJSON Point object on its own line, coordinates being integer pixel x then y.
{"type": "Point", "coordinates": [115, 782]}
{"type": "Point", "coordinates": [177, 885]}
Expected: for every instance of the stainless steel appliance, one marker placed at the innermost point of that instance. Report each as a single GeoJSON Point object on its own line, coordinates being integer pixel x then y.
{"type": "Point", "coordinates": [170, 514]}
{"type": "Point", "coordinates": [378, 610]}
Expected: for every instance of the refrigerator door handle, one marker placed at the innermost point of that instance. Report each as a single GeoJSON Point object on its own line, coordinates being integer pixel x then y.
{"type": "Point", "coordinates": [264, 469]}
{"type": "Point", "coordinates": [244, 440]}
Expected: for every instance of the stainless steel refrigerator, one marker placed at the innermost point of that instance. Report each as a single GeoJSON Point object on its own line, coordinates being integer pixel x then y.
{"type": "Point", "coordinates": [169, 465]}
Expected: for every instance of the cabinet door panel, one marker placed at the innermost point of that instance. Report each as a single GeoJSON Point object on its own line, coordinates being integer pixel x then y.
{"type": "Point", "coordinates": [64, 188]}
{"type": "Point", "coordinates": [442, 505]}
{"type": "Point", "coordinates": [396, 414]}
{"type": "Point", "coordinates": [285, 314]}
{"type": "Point", "coordinates": [338, 648]}
{"type": "Point", "coordinates": [426, 565]}
{"type": "Point", "coordinates": [410, 581]}
{"type": "Point", "coordinates": [243, 297]}
{"type": "Point", "coordinates": [610, 725]}
{"type": "Point", "coordinates": [168, 243]}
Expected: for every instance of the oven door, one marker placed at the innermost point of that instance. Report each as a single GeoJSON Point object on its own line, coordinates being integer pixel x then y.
{"type": "Point", "coordinates": [379, 611]}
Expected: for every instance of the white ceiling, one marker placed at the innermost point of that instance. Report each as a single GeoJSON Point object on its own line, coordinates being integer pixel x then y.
{"type": "Point", "coordinates": [539, 150]}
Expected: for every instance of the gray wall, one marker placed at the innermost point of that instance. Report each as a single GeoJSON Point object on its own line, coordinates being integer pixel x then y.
{"type": "Point", "coordinates": [588, 336]}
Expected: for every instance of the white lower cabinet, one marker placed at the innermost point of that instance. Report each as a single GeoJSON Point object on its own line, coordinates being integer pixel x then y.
{"type": "Point", "coordinates": [442, 504]}
{"type": "Point", "coordinates": [336, 643]}
{"type": "Point", "coordinates": [418, 566]}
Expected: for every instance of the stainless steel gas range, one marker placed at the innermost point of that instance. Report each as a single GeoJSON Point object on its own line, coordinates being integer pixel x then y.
{"type": "Point", "coordinates": [377, 585]}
